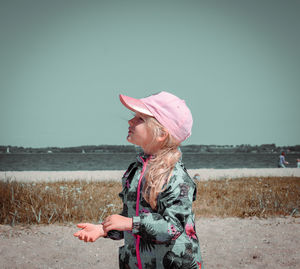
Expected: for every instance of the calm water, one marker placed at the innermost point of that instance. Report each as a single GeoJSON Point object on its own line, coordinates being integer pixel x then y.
{"type": "Point", "coordinates": [105, 161]}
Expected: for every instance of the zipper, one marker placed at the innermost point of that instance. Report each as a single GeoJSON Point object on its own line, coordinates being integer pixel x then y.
{"type": "Point", "coordinates": [137, 208]}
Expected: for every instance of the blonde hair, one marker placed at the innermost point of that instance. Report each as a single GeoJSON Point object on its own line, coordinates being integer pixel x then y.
{"type": "Point", "coordinates": [160, 166]}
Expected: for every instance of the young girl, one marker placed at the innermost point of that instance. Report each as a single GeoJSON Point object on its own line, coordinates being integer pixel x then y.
{"type": "Point", "coordinates": [157, 222]}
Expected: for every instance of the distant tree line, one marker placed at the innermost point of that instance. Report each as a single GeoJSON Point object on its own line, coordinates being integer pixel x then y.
{"type": "Point", "coordinates": [243, 148]}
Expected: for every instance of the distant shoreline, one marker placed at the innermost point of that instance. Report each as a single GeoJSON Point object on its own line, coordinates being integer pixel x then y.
{"type": "Point", "coordinates": [116, 175]}
{"type": "Point", "coordinates": [133, 153]}
{"type": "Point", "coordinates": [243, 148]}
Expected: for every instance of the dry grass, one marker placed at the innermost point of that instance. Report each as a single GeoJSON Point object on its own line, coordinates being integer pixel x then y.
{"type": "Point", "coordinates": [77, 201]}
{"type": "Point", "coordinates": [246, 197]}
{"type": "Point", "coordinates": [65, 201]}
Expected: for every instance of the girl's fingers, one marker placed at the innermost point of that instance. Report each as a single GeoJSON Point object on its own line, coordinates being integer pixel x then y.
{"type": "Point", "coordinates": [86, 238]}
{"type": "Point", "coordinates": [81, 237]}
{"type": "Point", "coordinates": [77, 233]}
{"type": "Point", "coordinates": [81, 225]}
{"type": "Point", "coordinates": [107, 228]}
{"type": "Point", "coordinates": [107, 219]}
{"type": "Point", "coordinates": [104, 225]}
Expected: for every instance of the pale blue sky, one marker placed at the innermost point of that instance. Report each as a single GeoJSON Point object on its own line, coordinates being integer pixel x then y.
{"type": "Point", "coordinates": [63, 64]}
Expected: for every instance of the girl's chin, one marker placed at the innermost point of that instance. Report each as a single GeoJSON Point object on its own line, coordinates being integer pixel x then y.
{"type": "Point", "coordinates": [130, 140]}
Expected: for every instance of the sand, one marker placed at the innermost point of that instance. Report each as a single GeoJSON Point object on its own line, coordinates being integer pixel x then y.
{"type": "Point", "coordinates": [205, 174]}
{"type": "Point", "coordinates": [225, 243]}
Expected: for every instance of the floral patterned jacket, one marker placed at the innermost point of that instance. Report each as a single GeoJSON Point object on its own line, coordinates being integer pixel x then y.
{"type": "Point", "coordinates": [161, 238]}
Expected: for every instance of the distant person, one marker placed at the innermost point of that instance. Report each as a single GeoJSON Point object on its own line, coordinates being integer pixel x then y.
{"type": "Point", "coordinates": [282, 162]}
{"type": "Point", "coordinates": [157, 221]}
{"type": "Point", "coordinates": [298, 163]}
{"type": "Point", "coordinates": [196, 177]}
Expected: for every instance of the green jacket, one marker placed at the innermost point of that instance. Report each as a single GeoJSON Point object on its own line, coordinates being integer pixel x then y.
{"type": "Point", "coordinates": [162, 238]}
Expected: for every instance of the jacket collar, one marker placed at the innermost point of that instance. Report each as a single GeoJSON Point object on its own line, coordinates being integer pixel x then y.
{"type": "Point", "coordinates": [142, 157]}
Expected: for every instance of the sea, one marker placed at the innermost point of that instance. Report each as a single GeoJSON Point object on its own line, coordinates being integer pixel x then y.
{"type": "Point", "coordinates": [120, 161]}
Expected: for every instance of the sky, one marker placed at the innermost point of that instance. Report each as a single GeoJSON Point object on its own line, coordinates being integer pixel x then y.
{"type": "Point", "coordinates": [63, 64]}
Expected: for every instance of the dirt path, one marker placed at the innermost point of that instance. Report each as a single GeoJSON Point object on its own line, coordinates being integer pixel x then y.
{"type": "Point", "coordinates": [225, 243]}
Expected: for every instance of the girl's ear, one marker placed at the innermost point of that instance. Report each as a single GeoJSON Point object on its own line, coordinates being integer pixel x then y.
{"type": "Point", "coordinates": [163, 135]}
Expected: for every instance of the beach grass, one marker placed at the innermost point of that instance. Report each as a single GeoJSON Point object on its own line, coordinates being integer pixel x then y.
{"type": "Point", "coordinates": [83, 201]}
{"type": "Point", "coordinates": [249, 197]}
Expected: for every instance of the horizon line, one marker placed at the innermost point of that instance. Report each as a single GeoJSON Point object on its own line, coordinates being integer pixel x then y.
{"type": "Point", "coordinates": [235, 145]}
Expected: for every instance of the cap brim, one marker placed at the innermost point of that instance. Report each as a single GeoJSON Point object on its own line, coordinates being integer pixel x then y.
{"type": "Point", "coordinates": [135, 105]}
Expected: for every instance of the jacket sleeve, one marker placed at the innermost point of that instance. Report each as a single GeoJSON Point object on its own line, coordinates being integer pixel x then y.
{"type": "Point", "coordinates": [114, 234]}
{"type": "Point", "coordinates": [174, 206]}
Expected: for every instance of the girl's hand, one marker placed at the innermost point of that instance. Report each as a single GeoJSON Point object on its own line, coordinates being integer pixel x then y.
{"type": "Point", "coordinates": [89, 232]}
{"type": "Point", "coordinates": [117, 222]}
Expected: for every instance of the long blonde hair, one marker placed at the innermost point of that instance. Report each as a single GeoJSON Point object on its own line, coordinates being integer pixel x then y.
{"type": "Point", "coordinates": [160, 166]}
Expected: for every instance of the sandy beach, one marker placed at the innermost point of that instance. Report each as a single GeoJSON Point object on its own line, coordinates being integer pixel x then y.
{"type": "Point", "coordinates": [116, 175]}
{"type": "Point", "coordinates": [225, 243]}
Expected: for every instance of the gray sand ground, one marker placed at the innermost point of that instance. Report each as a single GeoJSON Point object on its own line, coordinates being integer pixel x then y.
{"type": "Point", "coordinates": [225, 243]}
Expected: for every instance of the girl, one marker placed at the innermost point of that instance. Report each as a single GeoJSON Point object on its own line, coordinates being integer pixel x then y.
{"type": "Point", "coordinates": [157, 222]}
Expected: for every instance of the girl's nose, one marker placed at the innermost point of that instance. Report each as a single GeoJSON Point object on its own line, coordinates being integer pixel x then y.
{"type": "Point", "coordinates": [130, 122]}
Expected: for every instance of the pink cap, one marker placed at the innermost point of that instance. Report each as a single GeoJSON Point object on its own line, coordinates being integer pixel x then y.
{"type": "Point", "coordinates": [170, 111]}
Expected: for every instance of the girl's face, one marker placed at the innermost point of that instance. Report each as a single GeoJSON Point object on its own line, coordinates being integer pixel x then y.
{"type": "Point", "coordinates": [138, 132]}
